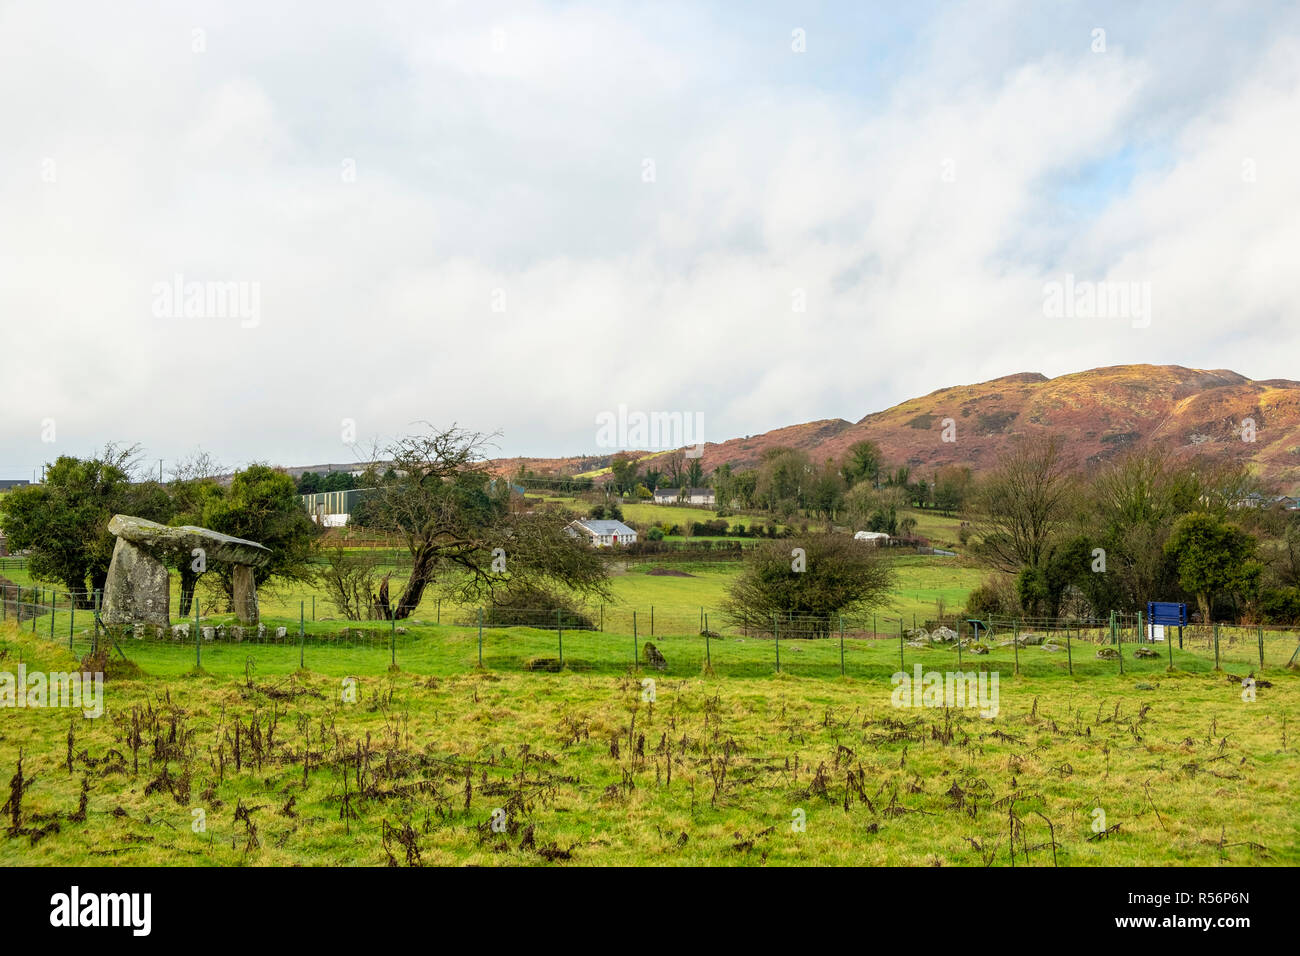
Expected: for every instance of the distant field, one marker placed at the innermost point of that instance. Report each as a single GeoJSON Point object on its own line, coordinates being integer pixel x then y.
{"type": "Point", "coordinates": [941, 530]}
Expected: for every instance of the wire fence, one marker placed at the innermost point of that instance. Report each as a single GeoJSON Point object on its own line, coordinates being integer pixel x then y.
{"type": "Point", "coordinates": [672, 640]}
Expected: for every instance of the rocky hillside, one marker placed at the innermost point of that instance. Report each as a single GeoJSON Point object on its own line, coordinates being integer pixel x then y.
{"type": "Point", "coordinates": [1100, 412]}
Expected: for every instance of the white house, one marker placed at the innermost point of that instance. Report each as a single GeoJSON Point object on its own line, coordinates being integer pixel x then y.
{"type": "Point", "coordinates": [872, 537]}
{"type": "Point", "coordinates": [601, 534]}
{"type": "Point", "coordinates": [689, 496]}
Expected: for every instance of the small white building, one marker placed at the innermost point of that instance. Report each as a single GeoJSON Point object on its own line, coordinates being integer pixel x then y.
{"type": "Point", "coordinates": [872, 537]}
{"type": "Point", "coordinates": [603, 533]}
{"type": "Point", "coordinates": [688, 496]}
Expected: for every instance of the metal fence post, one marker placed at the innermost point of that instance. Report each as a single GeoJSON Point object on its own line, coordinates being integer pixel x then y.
{"type": "Point", "coordinates": [902, 664]}
{"type": "Point", "coordinates": [841, 645]}
{"type": "Point", "coordinates": [72, 619]}
{"type": "Point", "coordinates": [559, 631]}
{"type": "Point", "coordinates": [480, 636]}
{"type": "Point", "coordinates": [1216, 647]}
{"type": "Point", "coordinates": [198, 633]}
{"type": "Point", "coordinates": [1261, 647]}
{"type": "Point", "coordinates": [1069, 651]}
{"type": "Point", "coordinates": [636, 651]}
{"type": "Point", "coordinates": [776, 637]}
{"type": "Point", "coordinates": [708, 653]}
{"type": "Point", "coordinates": [1015, 645]}
{"type": "Point", "coordinates": [302, 634]}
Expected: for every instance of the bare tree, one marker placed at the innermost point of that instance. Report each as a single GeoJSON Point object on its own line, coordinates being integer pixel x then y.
{"type": "Point", "coordinates": [1023, 503]}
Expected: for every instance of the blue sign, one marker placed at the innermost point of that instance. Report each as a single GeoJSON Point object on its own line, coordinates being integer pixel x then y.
{"type": "Point", "coordinates": [1167, 612]}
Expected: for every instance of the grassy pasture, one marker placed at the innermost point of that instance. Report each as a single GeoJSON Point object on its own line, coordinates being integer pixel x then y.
{"type": "Point", "coordinates": [584, 769]}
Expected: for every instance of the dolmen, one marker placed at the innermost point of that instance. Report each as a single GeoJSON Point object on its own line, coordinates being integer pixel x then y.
{"type": "Point", "coordinates": [138, 588]}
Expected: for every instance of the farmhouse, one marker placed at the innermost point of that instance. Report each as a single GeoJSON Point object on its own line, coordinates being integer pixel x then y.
{"type": "Point", "coordinates": [690, 496]}
{"type": "Point", "coordinates": [601, 534]}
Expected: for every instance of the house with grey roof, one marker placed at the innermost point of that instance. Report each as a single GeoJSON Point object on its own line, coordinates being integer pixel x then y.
{"type": "Point", "coordinates": [689, 496]}
{"type": "Point", "coordinates": [601, 534]}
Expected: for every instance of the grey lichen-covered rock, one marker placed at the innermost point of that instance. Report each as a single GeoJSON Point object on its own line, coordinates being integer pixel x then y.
{"type": "Point", "coordinates": [1143, 685]}
{"type": "Point", "coordinates": [1107, 654]}
{"type": "Point", "coordinates": [237, 633]}
{"type": "Point", "coordinates": [181, 632]}
{"type": "Point", "coordinates": [281, 633]}
{"type": "Point", "coordinates": [917, 634]}
{"type": "Point", "coordinates": [261, 632]}
{"type": "Point", "coordinates": [943, 635]}
{"type": "Point", "coordinates": [209, 633]}
{"type": "Point", "coordinates": [136, 590]}
{"type": "Point", "coordinates": [245, 594]}
{"type": "Point", "coordinates": [1054, 647]}
{"type": "Point", "coordinates": [162, 539]}
{"type": "Point", "coordinates": [1146, 652]}
{"type": "Point", "coordinates": [977, 648]}
{"type": "Point", "coordinates": [1030, 639]}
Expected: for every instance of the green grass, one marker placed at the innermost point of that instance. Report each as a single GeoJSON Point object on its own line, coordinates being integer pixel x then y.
{"type": "Point", "coordinates": [579, 763]}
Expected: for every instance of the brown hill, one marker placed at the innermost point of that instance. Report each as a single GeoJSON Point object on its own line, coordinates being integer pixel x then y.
{"type": "Point", "coordinates": [1100, 412]}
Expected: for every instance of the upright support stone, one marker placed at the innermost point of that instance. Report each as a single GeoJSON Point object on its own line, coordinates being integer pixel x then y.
{"type": "Point", "coordinates": [136, 590]}
{"type": "Point", "coordinates": [245, 594]}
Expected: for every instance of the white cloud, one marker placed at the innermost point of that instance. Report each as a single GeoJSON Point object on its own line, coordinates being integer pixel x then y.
{"type": "Point", "coordinates": [513, 161]}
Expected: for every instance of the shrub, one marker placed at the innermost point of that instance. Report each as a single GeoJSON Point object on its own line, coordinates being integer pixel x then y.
{"type": "Point", "coordinates": [1280, 605]}
{"type": "Point", "coordinates": [994, 597]}
{"type": "Point", "coordinates": [531, 605]}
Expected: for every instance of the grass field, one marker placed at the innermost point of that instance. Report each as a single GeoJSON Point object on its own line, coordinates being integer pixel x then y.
{"type": "Point", "coordinates": [922, 581]}
{"type": "Point", "coordinates": [282, 768]}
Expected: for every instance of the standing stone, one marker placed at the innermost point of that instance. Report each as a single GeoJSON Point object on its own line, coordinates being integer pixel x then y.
{"type": "Point", "coordinates": [245, 594]}
{"type": "Point", "coordinates": [136, 590]}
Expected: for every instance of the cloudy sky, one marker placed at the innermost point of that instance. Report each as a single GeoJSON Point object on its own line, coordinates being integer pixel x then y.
{"type": "Point", "coordinates": [518, 216]}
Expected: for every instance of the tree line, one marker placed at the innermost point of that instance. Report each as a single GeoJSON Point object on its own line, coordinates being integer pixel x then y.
{"type": "Point", "coordinates": [1147, 526]}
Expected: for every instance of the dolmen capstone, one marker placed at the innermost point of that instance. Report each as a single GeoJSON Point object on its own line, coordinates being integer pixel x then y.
{"type": "Point", "coordinates": [138, 589]}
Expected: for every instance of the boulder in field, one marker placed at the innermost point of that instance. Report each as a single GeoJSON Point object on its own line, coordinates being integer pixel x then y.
{"type": "Point", "coordinates": [654, 658]}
